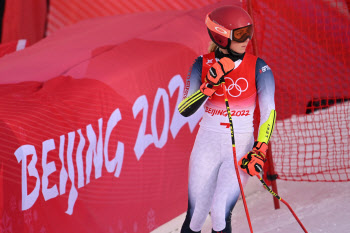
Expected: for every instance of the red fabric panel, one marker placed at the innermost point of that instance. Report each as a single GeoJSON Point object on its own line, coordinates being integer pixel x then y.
{"type": "Point", "coordinates": [66, 12]}
{"type": "Point", "coordinates": [10, 47]}
{"type": "Point", "coordinates": [73, 85]}
{"type": "Point", "coordinates": [24, 19]}
{"type": "Point", "coordinates": [73, 45]}
{"type": "Point", "coordinates": [146, 193]}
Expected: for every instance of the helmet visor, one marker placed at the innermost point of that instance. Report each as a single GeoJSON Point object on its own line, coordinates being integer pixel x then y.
{"type": "Point", "coordinates": [242, 34]}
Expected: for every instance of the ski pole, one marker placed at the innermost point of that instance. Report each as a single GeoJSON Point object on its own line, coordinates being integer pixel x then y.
{"type": "Point", "coordinates": [279, 198]}
{"type": "Point", "coordinates": [234, 155]}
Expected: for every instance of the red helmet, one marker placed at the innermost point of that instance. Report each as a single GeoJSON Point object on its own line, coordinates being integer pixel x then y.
{"type": "Point", "coordinates": [229, 23]}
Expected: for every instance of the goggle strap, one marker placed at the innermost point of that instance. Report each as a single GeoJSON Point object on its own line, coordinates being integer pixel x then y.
{"type": "Point", "coordinates": [218, 28]}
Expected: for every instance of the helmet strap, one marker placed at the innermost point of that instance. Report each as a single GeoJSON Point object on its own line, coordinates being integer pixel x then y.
{"type": "Point", "coordinates": [233, 53]}
{"type": "Point", "coordinates": [237, 57]}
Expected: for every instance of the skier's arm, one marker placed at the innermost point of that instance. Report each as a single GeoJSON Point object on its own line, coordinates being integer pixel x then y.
{"type": "Point", "coordinates": [212, 82]}
{"type": "Point", "coordinates": [265, 85]}
{"type": "Point", "coordinates": [253, 162]}
{"type": "Point", "coordinates": [193, 98]}
{"type": "Point", "coordinates": [192, 103]}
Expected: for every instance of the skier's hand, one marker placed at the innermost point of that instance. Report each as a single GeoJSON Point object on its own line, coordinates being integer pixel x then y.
{"type": "Point", "coordinates": [221, 68]}
{"type": "Point", "coordinates": [209, 89]}
{"type": "Point", "coordinates": [253, 162]}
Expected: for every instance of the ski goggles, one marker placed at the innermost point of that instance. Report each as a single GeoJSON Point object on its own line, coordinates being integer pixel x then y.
{"type": "Point", "coordinates": [238, 35]}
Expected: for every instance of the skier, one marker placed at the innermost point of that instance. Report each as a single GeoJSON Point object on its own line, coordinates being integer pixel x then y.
{"type": "Point", "coordinates": [213, 185]}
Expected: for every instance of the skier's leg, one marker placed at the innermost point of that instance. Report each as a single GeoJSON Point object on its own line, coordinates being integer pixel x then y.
{"type": "Point", "coordinates": [227, 190]}
{"type": "Point", "coordinates": [203, 171]}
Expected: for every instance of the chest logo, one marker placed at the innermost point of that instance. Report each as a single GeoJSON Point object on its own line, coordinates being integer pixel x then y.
{"type": "Point", "coordinates": [209, 61]}
{"type": "Point", "coordinates": [234, 89]}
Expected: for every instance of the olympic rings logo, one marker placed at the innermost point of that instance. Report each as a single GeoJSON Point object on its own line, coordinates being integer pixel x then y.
{"type": "Point", "coordinates": [235, 89]}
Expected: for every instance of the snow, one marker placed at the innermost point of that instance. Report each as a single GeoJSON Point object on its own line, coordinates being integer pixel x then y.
{"type": "Point", "coordinates": [321, 207]}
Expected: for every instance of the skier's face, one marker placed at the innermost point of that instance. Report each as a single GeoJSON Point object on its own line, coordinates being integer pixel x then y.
{"type": "Point", "coordinates": [239, 47]}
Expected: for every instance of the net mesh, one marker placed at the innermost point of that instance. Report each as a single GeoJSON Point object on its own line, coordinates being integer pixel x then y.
{"type": "Point", "coordinates": [306, 44]}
